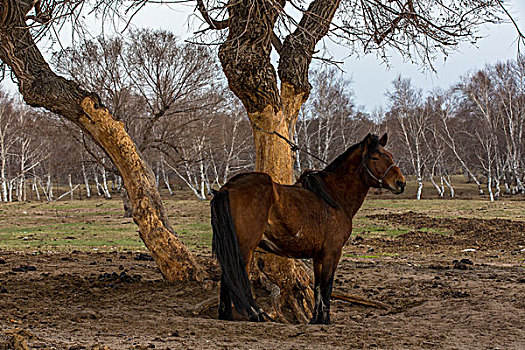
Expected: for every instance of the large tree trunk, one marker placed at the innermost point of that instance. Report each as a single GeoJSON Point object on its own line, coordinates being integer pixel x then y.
{"type": "Point", "coordinates": [245, 59]}
{"type": "Point", "coordinates": [272, 154]}
{"type": "Point", "coordinates": [287, 281]}
{"type": "Point", "coordinates": [41, 87]}
{"type": "Point", "coordinates": [126, 203]}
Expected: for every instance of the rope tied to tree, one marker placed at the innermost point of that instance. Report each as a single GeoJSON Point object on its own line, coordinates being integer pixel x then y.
{"type": "Point", "coordinates": [293, 146]}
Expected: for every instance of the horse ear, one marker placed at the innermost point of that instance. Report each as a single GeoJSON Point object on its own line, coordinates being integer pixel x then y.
{"type": "Point", "coordinates": [383, 139]}
{"type": "Point", "coordinates": [366, 141]}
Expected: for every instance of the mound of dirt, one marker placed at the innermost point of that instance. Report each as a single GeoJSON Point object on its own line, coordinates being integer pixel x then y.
{"type": "Point", "coordinates": [479, 234]}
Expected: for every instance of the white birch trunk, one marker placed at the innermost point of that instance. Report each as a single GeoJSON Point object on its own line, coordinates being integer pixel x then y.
{"type": "Point", "coordinates": [166, 179]}
{"type": "Point", "coordinates": [450, 187]}
{"type": "Point", "coordinates": [35, 189]}
{"type": "Point", "coordinates": [49, 187]}
{"type": "Point", "coordinates": [105, 188]}
{"type": "Point", "coordinates": [438, 189]}
{"type": "Point", "coordinates": [71, 186]}
{"type": "Point", "coordinates": [86, 181]}
{"type": "Point", "coordinates": [419, 187]}
{"type": "Point", "coordinates": [4, 180]}
{"type": "Point", "coordinates": [98, 186]}
{"type": "Point", "coordinates": [489, 186]}
{"type": "Point", "coordinates": [10, 186]}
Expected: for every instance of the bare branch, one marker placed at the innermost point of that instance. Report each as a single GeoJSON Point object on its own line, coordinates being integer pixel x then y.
{"type": "Point", "coordinates": [214, 24]}
{"type": "Point", "coordinates": [521, 36]}
{"type": "Point", "coordinates": [276, 43]}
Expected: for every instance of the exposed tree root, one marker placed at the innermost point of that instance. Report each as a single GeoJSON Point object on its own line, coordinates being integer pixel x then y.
{"type": "Point", "coordinates": [205, 305]}
{"type": "Point", "coordinates": [288, 283]}
{"type": "Point", "coordinates": [16, 339]}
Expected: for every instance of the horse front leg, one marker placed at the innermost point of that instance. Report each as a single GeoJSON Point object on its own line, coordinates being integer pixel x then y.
{"type": "Point", "coordinates": [225, 304]}
{"type": "Point", "coordinates": [327, 281]}
{"type": "Point", "coordinates": [324, 304]}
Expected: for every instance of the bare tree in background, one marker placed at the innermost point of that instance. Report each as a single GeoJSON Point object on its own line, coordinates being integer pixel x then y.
{"type": "Point", "coordinates": [7, 142]}
{"type": "Point", "coordinates": [413, 122]}
{"type": "Point", "coordinates": [154, 83]}
{"type": "Point", "coordinates": [451, 130]}
{"type": "Point", "coordinates": [439, 163]}
{"type": "Point", "coordinates": [509, 78]}
{"type": "Point", "coordinates": [233, 152]}
{"type": "Point", "coordinates": [478, 90]}
{"type": "Point", "coordinates": [29, 149]}
{"type": "Point", "coordinates": [329, 121]}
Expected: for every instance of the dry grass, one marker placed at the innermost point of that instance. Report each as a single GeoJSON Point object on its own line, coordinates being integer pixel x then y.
{"type": "Point", "coordinates": [97, 224]}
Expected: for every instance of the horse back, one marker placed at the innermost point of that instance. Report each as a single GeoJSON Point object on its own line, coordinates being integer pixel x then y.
{"type": "Point", "coordinates": [251, 195]}
{"type": "Point", "coordinates": [248, 181]}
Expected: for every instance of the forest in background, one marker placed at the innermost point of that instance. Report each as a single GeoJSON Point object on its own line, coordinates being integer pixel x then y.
{"type": "Point", "coordinates": [175, 103]}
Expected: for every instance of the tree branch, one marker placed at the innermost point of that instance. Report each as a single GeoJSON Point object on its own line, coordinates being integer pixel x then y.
{"type": "Point", "coordinates": [213, 23]}
{"type": "Point", "coordinates": [298, 47]}
{"type": "Point", "coordinates": [276, 43]}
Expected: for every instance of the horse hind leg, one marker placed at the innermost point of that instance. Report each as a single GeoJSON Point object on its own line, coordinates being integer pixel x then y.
{"type": "Point", "coordinates": [225, 304]}
{"type": "Point", "coordinates": [238, 224]}
{"type": "Point", "coordinates": [317, 290]}
{"type": "Point", "coordinates": [255, 313]}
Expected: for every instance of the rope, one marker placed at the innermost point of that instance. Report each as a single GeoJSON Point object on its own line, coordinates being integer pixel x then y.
{"type": "Point", "coordinates": [293, 146]}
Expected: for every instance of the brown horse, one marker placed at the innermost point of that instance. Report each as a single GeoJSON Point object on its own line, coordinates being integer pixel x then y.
{"type": "Point", "coordinates": [310, 219]}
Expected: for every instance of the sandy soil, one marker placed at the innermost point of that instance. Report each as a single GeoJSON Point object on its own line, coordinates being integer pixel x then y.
{"type": "Point", "coordinates": [438, 297]}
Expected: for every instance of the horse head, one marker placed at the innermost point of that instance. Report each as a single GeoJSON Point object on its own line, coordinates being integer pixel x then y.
{"type": "Point", "coordinates": [379, 165]}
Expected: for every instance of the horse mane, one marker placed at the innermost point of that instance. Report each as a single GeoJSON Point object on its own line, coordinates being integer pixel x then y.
{"type": "Point", "coordinates": [312, 181]}
{"type": "Point", "coordinates": [337, 162]}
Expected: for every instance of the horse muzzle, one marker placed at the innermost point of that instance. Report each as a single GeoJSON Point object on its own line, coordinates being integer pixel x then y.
{"type": "Point", "coordinates": [400, 187]}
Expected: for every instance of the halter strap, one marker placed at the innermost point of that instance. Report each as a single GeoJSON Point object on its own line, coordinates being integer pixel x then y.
{"type": "Point", "coordinates": [380, 181]}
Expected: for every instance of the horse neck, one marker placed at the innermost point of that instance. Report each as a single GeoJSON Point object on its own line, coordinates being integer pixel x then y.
{"type": "Point", "coordinates": [346, 184]}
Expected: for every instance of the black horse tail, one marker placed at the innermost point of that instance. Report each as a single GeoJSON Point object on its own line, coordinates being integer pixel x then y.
{"type": "Point", "coordinates": [225, 247]}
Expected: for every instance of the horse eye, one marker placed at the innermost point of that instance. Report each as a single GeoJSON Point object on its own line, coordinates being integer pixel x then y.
{"type": "Point", "coordinates": [374, 158]}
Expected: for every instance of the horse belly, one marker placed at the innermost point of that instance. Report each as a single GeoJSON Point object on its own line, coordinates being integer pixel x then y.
{"type": "Point", "coordinates": [299, 243]}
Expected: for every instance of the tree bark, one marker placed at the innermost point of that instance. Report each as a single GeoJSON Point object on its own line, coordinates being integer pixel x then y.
{"type": "Point", "coordinates": [41, 87]}
{"type": "Point", "coordinates": [272, 154]}
{"type": "Point", "coordinates": [126, 204]}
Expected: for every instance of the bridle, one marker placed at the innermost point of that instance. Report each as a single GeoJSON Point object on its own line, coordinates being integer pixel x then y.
{"type": "Point", "coordinates": [379, 180]}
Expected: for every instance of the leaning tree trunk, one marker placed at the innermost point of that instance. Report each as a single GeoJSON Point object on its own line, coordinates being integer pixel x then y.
{"type": "Point", "coordinates": [126, 204]}
{"type": "Point", "coordinates": [41, 87]}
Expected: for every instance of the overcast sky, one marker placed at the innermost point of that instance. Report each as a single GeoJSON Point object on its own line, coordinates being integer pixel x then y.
{"type": "Point", "coordinates": [370, 76]}
{"type": "Point", "coordinates": [371, 79]}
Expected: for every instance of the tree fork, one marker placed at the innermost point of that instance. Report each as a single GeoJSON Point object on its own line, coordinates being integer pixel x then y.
{"type": "Point", "coordinates": [41, 87]}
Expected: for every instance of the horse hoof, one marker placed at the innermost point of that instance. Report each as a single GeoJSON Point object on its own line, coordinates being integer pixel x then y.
{"type": "Point", "coordinates": [319, 321]}
{"type": "Point", "coordinates": [267, 317]}
{"type": "Point", "coordinates": [261, 317]}
{"type": "Point", "coordinates": [225, 316]}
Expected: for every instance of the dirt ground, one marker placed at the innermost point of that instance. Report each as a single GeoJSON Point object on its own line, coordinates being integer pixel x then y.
{"type": "Point", "coordinates": [459, 291]}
